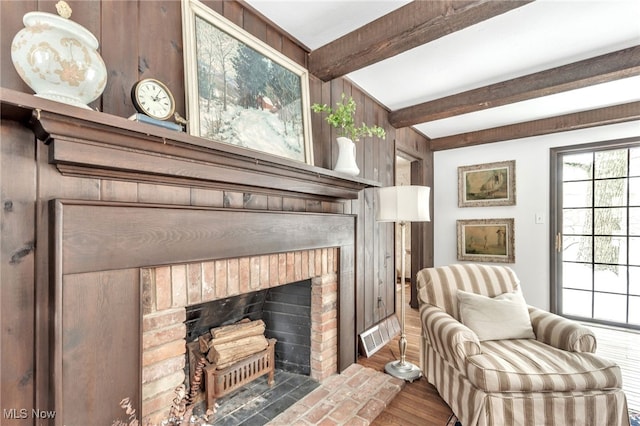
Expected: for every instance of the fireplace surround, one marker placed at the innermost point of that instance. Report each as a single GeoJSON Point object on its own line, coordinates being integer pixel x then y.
{"type": "Point", "coordinates": [103, 287]}
{"type": "Point", "coordinates": [115, 197]}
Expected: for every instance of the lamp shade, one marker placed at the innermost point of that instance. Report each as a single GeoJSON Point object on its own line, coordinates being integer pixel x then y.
{"type": "Point", "coordinates": [408, 203]}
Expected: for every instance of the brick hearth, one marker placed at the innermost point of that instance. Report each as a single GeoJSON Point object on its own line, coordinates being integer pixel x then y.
{"type": "Point", "coordinates": [168, 290]}
{"type": "Point", "coordinates": [353, 398]}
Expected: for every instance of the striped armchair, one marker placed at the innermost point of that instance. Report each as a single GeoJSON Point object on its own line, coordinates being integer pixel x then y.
{"type": "Point", "coordinates": [554, 379]}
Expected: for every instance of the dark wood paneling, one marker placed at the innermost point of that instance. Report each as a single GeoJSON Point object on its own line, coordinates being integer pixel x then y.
{"type": "Point", "coordinates": [11, 23]}
{"type": "Point", "coordinates": [293, 51]}
{"type": "Point", "coordinates": [274, 38]}
{"type": "Point", "coordinates": [255, 26]}
{"type": "Point", "coordinates": [160, 45]}
{"type": "Point", "coordinates": [337, 88]}
{"type": "Point", "coordinates": [370, 145]}
{"type": "Point", "coordinates": [120, 56]}
{"type": "Point", "coordinates": [17, 252]}
{"type": "Point", "coordinates": [98, 360]}
{"type": "Point", "coordinates": [372, 296]}
{"type": "Point", "coordinates": [234, 12]}
{"type": "Point", "coordinates": [347, 346]}
{"type": "Point", "coordinates": [320, 92]}
{"type": "Point", "coordinates": [101, 236]}
{"type": "Point", "coordinates": [84, 13]}
{"type": "Point", "coordinates": [366, 168]}
{"type": "Point", "coordinates": [215, 5]}
{"type": "Point", "coordinates": [375, 288]}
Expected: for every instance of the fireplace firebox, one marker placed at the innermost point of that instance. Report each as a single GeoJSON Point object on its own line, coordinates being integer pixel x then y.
{"type": "Point", "coordinates": [297, 300]}
{"type": "Point", "coordinates": [285, 310]}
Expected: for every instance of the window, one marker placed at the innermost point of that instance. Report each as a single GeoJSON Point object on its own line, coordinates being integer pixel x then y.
{"type": "Point", "coordinates": [596, 224]}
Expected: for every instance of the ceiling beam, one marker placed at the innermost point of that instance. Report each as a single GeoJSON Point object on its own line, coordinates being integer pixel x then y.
{"type": "Point", "coordinates": [579, 120]}
{"type": "Point", "coordinates": [412, 25]}
{"type": "Point", "coordinates": [601, 69]}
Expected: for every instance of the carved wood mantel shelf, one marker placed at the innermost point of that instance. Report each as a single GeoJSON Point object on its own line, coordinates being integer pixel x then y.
{"type": "Point", "coordinates": [94, 144]}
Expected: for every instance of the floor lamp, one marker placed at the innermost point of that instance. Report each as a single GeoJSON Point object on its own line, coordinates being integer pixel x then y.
{"type": "Point", "coordinates": [403, 204]}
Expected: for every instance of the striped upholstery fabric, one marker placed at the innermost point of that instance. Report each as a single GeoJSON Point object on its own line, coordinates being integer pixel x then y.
{"type": "Point", "coordinates": [552, 380]}
{"type": "Point", "coordinates": [607, 407]}
{"type": "Point", "coordinates": [560, 332]}
{"type": "Point", "coordinates": [450, 338]}
{"type": "Point", "coordinates": [438, 286]}
{"type": "Point", "coordinates": [526, 365]}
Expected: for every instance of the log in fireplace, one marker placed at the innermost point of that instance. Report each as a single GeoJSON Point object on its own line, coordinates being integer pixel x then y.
{"type": "Point", "coordinates": [227, 358]}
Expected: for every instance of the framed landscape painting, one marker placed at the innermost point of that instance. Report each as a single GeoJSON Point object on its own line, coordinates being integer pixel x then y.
{"type": "Point", "coordinates": [490, 184]}
{"type": "Point", "coordinates": [242, 91]}
{"type": "Point", "coordinates": [486, 240]}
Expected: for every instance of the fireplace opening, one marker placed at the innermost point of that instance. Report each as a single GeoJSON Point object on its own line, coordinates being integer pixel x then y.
{"type": "Point", "coordinates": [301, 317]}
{"type": "Point", "coordinates": [279, 316]}
{"type": "Point", "coordinates": [285, 311]}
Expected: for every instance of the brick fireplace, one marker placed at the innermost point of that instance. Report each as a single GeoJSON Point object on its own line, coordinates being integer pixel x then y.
{"type": "Point", "coordinates": [104, 285]}
{"type": "Point", "coordinates": [168, 290]}
{"type": "Point", "coordinates": [118, 204]}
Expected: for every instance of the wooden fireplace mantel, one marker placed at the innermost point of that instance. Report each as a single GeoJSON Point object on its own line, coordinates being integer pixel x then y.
{"type": "Point", "coordinates": [94, 144]}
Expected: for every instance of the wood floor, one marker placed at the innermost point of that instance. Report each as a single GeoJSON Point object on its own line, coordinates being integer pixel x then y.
{"type": "Point", "coordinates": [419, 403]}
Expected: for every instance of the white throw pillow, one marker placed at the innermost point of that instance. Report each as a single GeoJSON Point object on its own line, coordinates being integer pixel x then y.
{"type": "Point", "coordinates": [502, 317]}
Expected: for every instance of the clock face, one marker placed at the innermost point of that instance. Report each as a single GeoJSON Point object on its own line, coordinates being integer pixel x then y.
{"type": "Point", "coordinates": [153, 98]}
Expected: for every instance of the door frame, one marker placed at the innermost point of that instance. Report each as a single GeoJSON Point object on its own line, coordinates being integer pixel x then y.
{"type": "Point", "coordinates": [555, 215]}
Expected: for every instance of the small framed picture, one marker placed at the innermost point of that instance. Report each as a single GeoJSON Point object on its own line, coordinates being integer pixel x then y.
{"type": "Point", "coordinates": [486, 240]}
{"type": "Point", "coordinates": [489, 184]}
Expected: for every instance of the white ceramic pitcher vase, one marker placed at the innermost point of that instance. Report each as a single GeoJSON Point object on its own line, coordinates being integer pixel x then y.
{"type": "Point", "coordinates": [346, 157]}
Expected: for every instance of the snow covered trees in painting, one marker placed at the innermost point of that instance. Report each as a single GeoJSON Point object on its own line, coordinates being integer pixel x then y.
{"type": "Point", "coordinates": [244, 93]}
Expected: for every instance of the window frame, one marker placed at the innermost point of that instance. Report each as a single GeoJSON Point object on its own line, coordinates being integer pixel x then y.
{"type": "Point", "coordinates": [556, 225]}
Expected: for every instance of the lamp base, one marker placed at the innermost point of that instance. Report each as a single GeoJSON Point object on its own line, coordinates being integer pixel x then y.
{"type": "Point", "coordinates": [407, 371]}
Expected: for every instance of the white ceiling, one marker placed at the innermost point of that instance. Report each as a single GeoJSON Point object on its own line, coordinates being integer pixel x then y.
{"type": "Point", "coordinates": [532, 38]}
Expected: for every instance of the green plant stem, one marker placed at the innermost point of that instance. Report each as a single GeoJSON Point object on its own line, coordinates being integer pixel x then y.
{"type": "Point", "coordinates": [342, 117]}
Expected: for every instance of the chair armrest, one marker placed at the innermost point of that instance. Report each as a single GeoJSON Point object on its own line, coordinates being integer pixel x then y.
{"type": "Point", "coordinates": [450, 338]}
{"type": "Point", "coordinates": [561, 332]}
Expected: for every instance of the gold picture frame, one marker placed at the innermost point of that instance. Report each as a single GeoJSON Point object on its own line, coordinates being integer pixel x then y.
{"type": "Point", "coordinates": [240, 90]}
{"type": "Point", "coordinates": [489, 184]}
{"type": "Point", "coordinates": [486, 240]}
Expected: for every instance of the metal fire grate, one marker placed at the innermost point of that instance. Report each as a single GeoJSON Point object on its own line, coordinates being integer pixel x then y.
{"type": "Point", "coordinates": [219, 383]}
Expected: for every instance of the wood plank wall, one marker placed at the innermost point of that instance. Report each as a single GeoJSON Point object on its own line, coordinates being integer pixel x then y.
{"type": "Point", "coordinates": [140, 39]}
